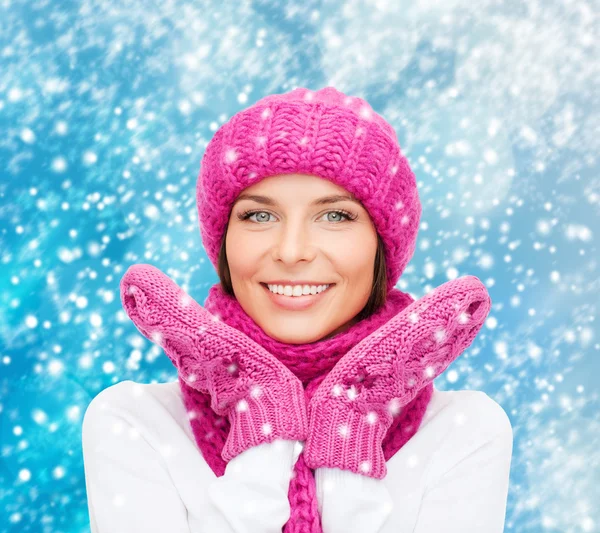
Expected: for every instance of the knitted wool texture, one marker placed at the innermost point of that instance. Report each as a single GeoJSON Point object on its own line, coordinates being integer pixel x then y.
{"type": "Point", "coordinates": [395, 354]}
{"type": "Point", "coordinates": [340, 138]}
{"type": "Point", "coordinates": [323, 133]}
{"type": "Point", "coordinates": [156, 310]}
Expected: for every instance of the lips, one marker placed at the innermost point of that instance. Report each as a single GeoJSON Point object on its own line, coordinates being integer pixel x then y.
{"type": "Point", "coordinates": [309, 294]}
{"type": "Point", "coordinates": [267, 286]}
{"type": "Point", "coordinates": [296, 303]}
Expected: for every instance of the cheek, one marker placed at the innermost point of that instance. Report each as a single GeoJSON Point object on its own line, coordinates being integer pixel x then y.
{"type": "Point", "coordinates": [241, 250]}
{"type": "Point", "coordinates": [353, 255]}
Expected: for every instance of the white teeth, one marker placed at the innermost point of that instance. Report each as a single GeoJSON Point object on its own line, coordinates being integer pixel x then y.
{"type": "Point", "coordinates": [297, 290]}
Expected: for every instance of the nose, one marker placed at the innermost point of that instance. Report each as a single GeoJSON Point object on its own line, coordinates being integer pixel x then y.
{"type": "Point", "coordinates": [293, 244]}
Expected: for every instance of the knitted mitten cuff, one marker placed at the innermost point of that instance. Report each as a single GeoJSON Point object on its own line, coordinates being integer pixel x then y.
{"type": "Point", "coordinates": [353, 408]}
{"type": "Point", "coordinates": [277, 412]}
{"type": "Point", "coordinates": [346, 439]}
{"type": "Point", "coordinates": [261, 397]}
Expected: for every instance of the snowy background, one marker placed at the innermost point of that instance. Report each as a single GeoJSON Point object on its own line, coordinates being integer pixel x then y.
{"type": "Point", "coordinates": [106, 108]}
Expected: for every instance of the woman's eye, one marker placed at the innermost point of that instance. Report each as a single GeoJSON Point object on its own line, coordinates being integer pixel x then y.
{"type": "Point", "coordinates": [249, 214]}
{"type": "Point", "coordinates": [265, 216]}
{"type": "Point", "coordinates": [341, 216]}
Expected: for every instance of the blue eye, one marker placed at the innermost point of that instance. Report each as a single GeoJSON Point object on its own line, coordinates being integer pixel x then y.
{"type": "Point", "coordinates": [347, 216]}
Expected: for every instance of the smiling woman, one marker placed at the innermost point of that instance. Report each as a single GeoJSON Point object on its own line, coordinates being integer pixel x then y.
{"type": "Point", "coordinates": [305, 377]}
{"type": "Point", "coordinates": [315, 233]}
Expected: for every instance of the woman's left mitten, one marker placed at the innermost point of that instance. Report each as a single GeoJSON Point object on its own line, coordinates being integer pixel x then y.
{"type": "Point", "coordinates": [353, 408]}
{"type": "Point", "coordinates": [261, 397]}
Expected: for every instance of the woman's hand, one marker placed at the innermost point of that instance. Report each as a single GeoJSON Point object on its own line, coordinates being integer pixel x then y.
{"type": "Point", "coordinates": [353, 408]}
{"type": "Point", "coordinates": [263, 399]}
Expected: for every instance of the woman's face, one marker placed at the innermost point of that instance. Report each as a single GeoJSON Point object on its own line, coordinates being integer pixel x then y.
{"type": "Point", "coordinates": [291, 237]}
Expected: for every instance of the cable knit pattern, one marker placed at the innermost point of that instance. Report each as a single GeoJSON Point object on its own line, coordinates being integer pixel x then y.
{"type": "Point", "coordinates": [355, 398]}
{"type": "Point", "coordinates": [310, 363]}
{"type": "Point", "coordinates": [352, 410]}
{"type": "Point", "coordinates": [383, 366]}
{"type": "Point", "coordinates": [262, 398]}
{"type": "Point", "coordinates": [324, 133]}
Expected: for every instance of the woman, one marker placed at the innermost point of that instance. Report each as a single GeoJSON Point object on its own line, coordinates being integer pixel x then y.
{"type": "Point", "coordinates": [305, 399]}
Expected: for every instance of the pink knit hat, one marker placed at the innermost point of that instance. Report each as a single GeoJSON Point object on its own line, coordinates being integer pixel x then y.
{"type": "Point", "coordinates": [323, 133]}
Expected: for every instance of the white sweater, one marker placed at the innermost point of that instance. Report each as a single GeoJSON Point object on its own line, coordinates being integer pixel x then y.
{"type": "Point", "coordinates": [144, 472]}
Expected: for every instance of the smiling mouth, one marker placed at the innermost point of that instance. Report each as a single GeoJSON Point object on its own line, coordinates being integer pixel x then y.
{"type": "Point", "coordinates": [296, 297]}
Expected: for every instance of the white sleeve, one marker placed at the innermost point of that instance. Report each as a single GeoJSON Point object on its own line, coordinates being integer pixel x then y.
{"type": "Point", "coordinates": [253, 492]}
{"type": "Point", "coordinates": [351, 503]}
{"type": "Point", "coordinates": [471, 497]}
{"type": "Point", "coordinates": [128, 487]}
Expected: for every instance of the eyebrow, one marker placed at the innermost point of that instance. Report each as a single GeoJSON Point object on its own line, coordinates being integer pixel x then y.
{"type": "Point", "coordinates": [319, 201]}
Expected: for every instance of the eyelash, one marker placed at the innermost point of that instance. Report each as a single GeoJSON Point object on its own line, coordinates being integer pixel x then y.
{"type": "Point", "coordinates": [348, 216]}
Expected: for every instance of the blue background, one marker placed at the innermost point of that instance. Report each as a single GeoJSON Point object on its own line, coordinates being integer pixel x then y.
{"type": "Point", "coordinates": [105, 111]}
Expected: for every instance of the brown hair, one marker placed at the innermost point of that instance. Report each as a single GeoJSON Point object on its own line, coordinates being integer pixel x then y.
{"type": "Point", "coordinates": [378, 291]}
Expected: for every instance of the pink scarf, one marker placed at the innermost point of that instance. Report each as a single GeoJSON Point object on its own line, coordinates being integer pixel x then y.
{"type": "Point", "coordinates": [310, 363]}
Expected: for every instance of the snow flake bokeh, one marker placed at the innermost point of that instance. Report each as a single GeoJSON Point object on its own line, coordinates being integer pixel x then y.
{"type": "Point", "coordinates": [106, 108]}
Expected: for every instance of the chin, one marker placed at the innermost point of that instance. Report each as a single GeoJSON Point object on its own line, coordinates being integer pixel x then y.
{"type": "Point", "coordinates": [293, 339]}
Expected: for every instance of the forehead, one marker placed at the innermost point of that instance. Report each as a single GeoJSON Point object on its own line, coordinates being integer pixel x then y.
{"type": "Point", "coordinates": [296, 188]}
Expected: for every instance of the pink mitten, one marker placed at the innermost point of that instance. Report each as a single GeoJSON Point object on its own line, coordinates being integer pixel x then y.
{"type": "Point", "coordinates": [353, 408]}
{"type": "Point", "coordinates": [261, 397]}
